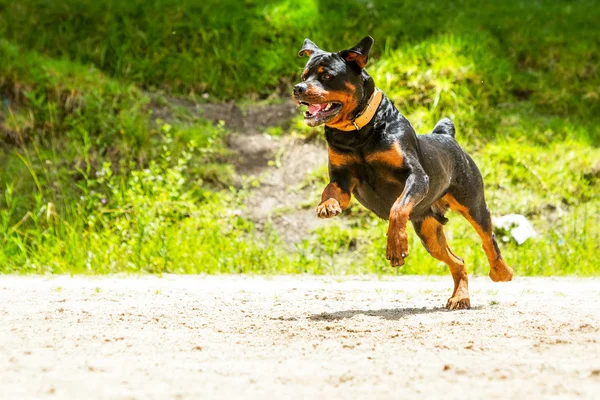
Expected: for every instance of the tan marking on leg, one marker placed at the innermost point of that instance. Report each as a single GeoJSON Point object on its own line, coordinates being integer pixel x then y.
{"type": "Point", "coordinates": [397, 238]}
{"type": "Point", "coordinates": [334, 200]}
{"type": "Point", "coordinates": [434, 239]}
{"type": "Point", "coordinates": [499, 270]}
{"type": "Point", "coordinates": [333, 191]}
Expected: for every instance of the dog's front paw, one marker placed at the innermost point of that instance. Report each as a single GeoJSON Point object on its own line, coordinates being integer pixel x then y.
{"type": "Point", "coordinates": [329, 209]}
{"type": "Point", "coordinates": [397, 247]}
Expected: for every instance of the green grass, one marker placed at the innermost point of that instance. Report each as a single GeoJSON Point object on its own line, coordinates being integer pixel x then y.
{"type": "Point", "coordinates": [228, 48]}
{"type": "Point", "coordinates": [91, 181]}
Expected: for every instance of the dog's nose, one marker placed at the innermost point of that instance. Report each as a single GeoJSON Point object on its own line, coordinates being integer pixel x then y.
{"type": "Point", "coordinates": [300, 89]}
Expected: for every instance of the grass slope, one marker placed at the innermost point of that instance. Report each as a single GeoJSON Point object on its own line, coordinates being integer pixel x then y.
{"type": "Point", "coordinates": [91, 181]}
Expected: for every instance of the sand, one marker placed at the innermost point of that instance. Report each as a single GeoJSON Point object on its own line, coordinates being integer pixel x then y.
{"type": "Point", "coordinates": [190, 337]}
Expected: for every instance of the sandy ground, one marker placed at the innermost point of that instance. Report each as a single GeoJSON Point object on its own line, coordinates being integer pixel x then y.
{"type": "Point", "coordinates": [182, 337]}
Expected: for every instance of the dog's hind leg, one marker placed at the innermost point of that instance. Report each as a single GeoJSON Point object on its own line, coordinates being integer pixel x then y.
{"type": "Point", "coordinates": [478, 214]}
{"type": "Point", "coordinates": [431, 232]}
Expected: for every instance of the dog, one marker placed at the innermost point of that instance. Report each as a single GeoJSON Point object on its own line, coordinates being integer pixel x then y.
{"type": "Point", "coordinates": [375, 155]}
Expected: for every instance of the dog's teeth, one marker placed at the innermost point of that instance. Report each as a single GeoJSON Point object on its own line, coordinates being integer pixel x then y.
{"type": "Point", "coordinates": [328, 106]}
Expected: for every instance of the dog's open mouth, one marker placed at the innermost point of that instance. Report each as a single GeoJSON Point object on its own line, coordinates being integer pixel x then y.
{"type": "Point", "coordinates": [320, 113]}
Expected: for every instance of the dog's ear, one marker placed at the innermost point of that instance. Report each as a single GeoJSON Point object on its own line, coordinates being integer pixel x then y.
{"type": "Point", "coordinates": [308, 48]}
{"type": "Point", "coordinates": [358, 54]}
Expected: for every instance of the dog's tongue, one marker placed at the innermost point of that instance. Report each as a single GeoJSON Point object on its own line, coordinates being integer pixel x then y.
{"type": "Point", "coordinates": [315, 108]}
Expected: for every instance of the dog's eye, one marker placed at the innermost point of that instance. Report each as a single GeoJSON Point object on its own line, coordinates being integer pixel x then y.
{"type": "Point", "coordinates": [327, 77]}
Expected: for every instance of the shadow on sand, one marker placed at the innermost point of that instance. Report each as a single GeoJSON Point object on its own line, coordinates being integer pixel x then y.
{"type": "Point", "coordinates": [385, 313]}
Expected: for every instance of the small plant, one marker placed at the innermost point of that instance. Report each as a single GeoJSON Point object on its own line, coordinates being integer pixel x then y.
{"type": "Point", "coordinates": [104, 169]}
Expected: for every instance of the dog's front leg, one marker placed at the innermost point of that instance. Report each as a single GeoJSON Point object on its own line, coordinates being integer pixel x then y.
{"type": "Point", "coordinates": [337, 193]}
{"type": "Point", "coordinates": [415, 189]}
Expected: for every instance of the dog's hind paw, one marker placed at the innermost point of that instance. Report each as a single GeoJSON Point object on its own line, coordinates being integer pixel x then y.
{"type": "Point", "coordinates": [458, 302]}
{"type": "Point", "coordinates": [500, 272]}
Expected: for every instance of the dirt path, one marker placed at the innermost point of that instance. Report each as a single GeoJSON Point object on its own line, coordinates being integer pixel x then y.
{"type": "Point", "coordinates": [279, 163]}
{"type": "Point", "coordinates": [185, 337]}
{"type": "Point", "coordinates": [279, 199]}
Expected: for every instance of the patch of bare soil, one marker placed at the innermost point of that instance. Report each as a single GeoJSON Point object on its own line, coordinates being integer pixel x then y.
{"type": "Point", "coordinates": [280, 199]}
{"type": "Point", "coordinates": [190, 337]}
{"type": "Point", "coordinates": [281, 164]}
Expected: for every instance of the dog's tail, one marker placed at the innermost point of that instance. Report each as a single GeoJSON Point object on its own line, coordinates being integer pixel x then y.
{"type": "Point", "coordinates": [445, 126]}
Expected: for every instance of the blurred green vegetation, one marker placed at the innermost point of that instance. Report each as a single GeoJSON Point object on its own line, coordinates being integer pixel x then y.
{"type": "Point", "coordinates": [91, 180]}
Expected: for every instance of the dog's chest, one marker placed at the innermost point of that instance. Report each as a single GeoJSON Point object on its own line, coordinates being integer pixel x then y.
{"type": "Point", "coordinates": [379, 185]}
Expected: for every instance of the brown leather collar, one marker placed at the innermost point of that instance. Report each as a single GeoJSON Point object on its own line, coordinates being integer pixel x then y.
{"type": "Point", "coordinates": [367, 114]}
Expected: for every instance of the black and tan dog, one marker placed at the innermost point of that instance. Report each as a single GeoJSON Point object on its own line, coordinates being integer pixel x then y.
{"type": "Point", "coordinates": [375, 154]}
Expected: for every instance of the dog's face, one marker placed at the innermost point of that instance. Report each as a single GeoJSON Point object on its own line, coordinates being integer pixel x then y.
{"type": "Point", "coordinates": [332, 83]}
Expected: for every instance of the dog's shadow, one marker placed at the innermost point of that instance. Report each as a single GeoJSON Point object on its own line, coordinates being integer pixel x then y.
{"type": "Point", "coordinates": [393, 314]}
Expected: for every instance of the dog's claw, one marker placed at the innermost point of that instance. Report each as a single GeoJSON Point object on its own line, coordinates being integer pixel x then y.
{"type": "Point", "coordinates": [396, 261]}
{"type": "Point", "coordinates": [397, 247]}
{"type": "Point", "coordinates": [329, 209]}
{"type": "Point", "coordinates": [459, 302]}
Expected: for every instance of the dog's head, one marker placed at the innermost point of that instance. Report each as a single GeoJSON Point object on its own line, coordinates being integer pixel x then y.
{"type": "Point", "coordinates": [333, 84]}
